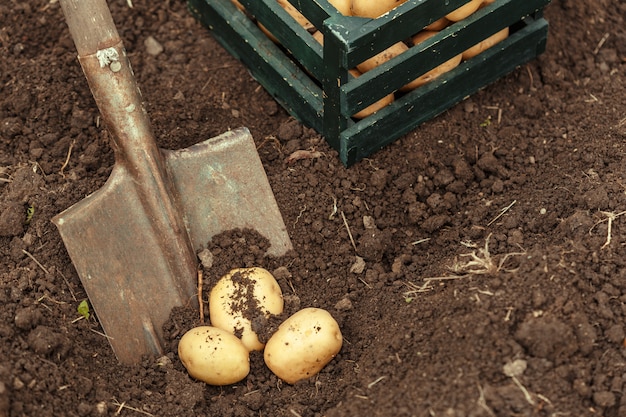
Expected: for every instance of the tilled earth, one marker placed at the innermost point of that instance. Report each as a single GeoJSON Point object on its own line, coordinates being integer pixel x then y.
{"type": "Point", "coordinates": [476, 266]}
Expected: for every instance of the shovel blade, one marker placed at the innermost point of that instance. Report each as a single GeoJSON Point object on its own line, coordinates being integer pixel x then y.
{"type": "Point", "coordinates": [132, 274]}
{"type": "Point", "coordinates": [134, 268]}
{"type": "Point", "coordinates": [221, 185]}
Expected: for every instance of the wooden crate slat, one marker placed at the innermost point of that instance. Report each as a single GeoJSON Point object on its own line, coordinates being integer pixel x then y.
{"type": "Point", "coordinates": [284, 80]}
{"type": "Point", "coordinates": [374, 35]}
{"type": "Point", "coordinates": [291, 35]}
{"type": "Point", "coordinates": [405, 114]}
{"type": "Point", "coordinates": [433, 52]}
{"type": "Point", "coordinates": [313, 85]}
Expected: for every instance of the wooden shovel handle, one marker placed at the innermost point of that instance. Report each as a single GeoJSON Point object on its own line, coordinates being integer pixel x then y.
{"type": "Point", "coordinates": [91, 25]}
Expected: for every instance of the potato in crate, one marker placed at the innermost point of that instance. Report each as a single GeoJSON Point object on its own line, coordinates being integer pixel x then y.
{"type": "Point", "coordinates": [364, 72]}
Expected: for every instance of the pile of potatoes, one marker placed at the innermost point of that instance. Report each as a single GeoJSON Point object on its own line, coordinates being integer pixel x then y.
{"type": "Point", "coordinates": [376, 8]}
{"type": "Point", "coordinates": [239, 304]}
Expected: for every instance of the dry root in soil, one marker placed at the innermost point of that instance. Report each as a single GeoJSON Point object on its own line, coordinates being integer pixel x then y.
{"type": "Point", "coordinates": [479, 262]}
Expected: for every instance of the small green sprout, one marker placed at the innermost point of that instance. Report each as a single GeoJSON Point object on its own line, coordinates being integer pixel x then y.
{"type": "Point", "coordinates": [486, 123]}
{"type": "Point", "coordinates": [83, 309]}
{"type": "Point", "coordinates": [30, 212]}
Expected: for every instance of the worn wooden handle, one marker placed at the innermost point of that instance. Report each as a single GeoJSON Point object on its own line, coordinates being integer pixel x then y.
{"type": "Point", "coordinates": [91, 25]}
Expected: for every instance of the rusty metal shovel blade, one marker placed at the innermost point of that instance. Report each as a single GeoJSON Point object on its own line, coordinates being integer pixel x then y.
{"type": "Point", "coordinates": [132, 271]}
{"type": "Point", "coordinates": [221, 185]}
{"type": "Point", "coordinates": [134, 241]}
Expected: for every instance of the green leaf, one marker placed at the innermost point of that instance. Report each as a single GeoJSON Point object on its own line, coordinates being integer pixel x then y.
{"type": "Point", "coordinates": [30, 212]}
{"type": "Point", "coordinates": [83, 309]}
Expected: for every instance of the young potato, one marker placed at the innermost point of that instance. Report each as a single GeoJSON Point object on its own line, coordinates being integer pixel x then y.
{"type": "Point", "coordinates": [382, 57]}
{"type": "Point", "coordinates": [464, 11]}
{"type": "Point", "coordinates": [242, 299]}
{"type": "Point", "coordinates": [373, 8]}
{"type": "Point", "coordinates": [343, 6]}
{"type": "Point", "coordinates": [435, 72]}
{"type": "Point", "coordinates": [303, 345]}
{"type": "Point", "coordinates": [214, 356]}
{"type": "Point", "coordinates": [486, 43]}
{"type": "Point", "coordinates": [438, 24]}
{"type": "Point", "coordinates": [374, 107]}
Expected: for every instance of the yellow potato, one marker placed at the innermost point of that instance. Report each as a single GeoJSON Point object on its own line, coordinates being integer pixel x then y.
{"type": "Point", "coordinates": [422, 36]}
{"type": "Point", "coordinates": [464, 11]}
{"type": "Point", "coordinates": [373, 8]}
{"type": "Point", "coordinates": [382, 57]}
{"type": "Point", "coordinates": [435, 72]}
{"type": "Point", "coordinates": [214, 356]}
{"type": "Point", "coordinates": [438, 24]}
{"type": "Point", "coordinates": [486, 43]}
{"type": "Point", "coordinates": [374, 107]}
{"type": "Point", "coordinates": [244, 296]}
{"type": "Point", "coordinates": [343, 6]}
{"type": "Point", "coordinates": [303, 345]}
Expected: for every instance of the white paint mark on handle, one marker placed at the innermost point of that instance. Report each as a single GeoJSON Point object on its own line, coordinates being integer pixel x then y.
{"type": "Point", "coordinates": [109, 56]}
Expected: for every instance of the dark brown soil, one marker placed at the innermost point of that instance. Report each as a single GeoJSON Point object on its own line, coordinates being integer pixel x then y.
{"type": "Point", "coordinates": [494, 279]}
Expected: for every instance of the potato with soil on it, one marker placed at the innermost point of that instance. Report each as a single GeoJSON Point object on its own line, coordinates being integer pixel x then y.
{"type": "Point", "coordinates": [214, 356]}
{"type": "Point", "coordinates": [303, 344]}
{"type": "Point", "coordinates": [244, 299]}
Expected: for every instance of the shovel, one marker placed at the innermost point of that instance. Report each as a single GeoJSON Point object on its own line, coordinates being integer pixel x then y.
{"type": "Point", "coordinates": [134, 241]}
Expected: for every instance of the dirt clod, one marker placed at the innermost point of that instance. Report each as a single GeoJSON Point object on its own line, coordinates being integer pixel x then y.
{"type": "Point", "coordinates": [12, 217]}
{"type": "Point", "coordinates": [547, 338]}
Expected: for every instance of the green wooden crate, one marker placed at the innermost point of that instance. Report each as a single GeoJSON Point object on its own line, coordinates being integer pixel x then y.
{"type": "Point", "coordinates": [312, 82]}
